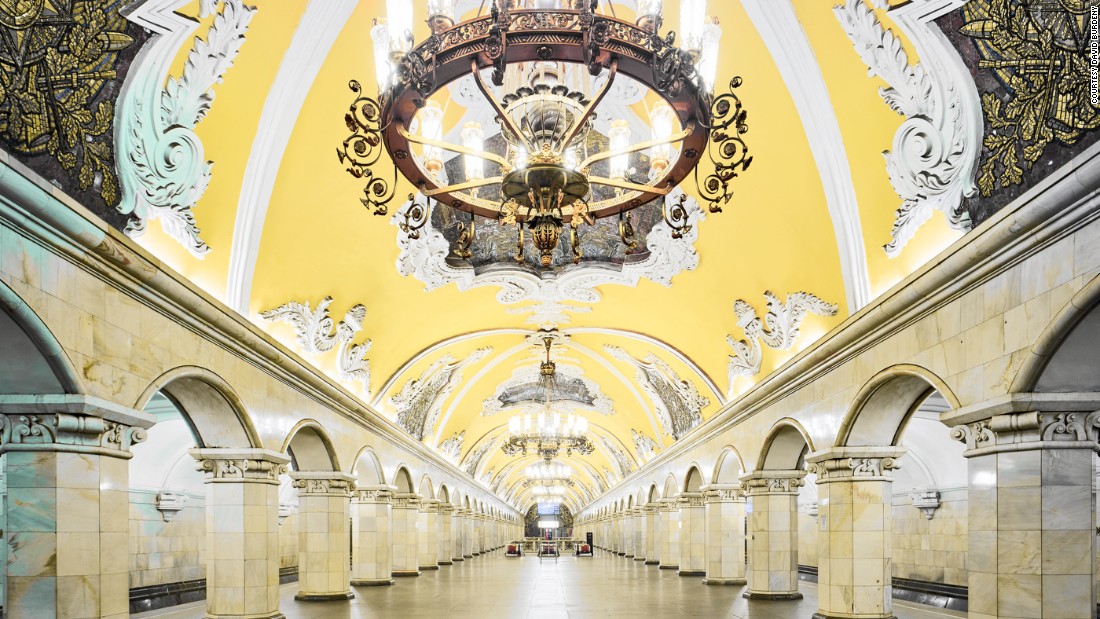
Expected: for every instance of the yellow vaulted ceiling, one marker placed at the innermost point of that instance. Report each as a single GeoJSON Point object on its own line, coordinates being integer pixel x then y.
{"type": "Point", "coordinates": [318, 240]}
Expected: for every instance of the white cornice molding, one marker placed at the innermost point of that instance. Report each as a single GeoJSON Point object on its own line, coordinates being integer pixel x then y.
{"type": "Point", "coordinates": [162, 168]}
{"type": "Point", "coordinates": [782, 33]}
{"type": "Point", "coordinates": [934, 158]}
{"type": "Point", "coordinates": [321, 23]}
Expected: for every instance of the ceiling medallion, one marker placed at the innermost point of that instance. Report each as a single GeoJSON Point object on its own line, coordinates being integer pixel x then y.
{"type": "Point", "coordinates": [553, 161]}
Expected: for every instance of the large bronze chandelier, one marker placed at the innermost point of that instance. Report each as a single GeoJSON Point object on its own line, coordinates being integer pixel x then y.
{"type": "Point", "coordinates": [547, 432]}
{"type": "Point", "coordinates": [554, 163]}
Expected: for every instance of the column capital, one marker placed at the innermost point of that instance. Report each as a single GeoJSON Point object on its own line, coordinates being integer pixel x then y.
{"type": "Point", "coordinates": [639, 511]}
{"type": "Point", "coordinates": [855, 463]}
{"type": "Point", "coordinates": [691, 499]}
{"type": "Point", "coordinates": [329, 483]}
{"type": "Point", "coordinates": [651, 508]}
{"type": "Point", "coordinates": [70, 423]}
{"type": "Point", "coordinates": [373, 494]}
{"type": "Point", "coordinates": [429, 506]}
{"type": "Point", "coordinates": [1022, 431]}
{"type": "Point", "coordinates": [406, 500]}
{"type": "Point", "coordinates": [772, 482]}
{"type": "Point", "coordinates": [233, 465]}
{"type": "Point", "coordinates": [723, 493]}
{"type": "Point", "coordinates": [669, 505]}
{"type": "Point", "coordinates": [446, 509]}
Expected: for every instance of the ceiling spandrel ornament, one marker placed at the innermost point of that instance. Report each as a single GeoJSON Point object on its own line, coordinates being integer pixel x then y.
{"type": "Point", "coordinates": [163, 170]}
{"type": "Point", "coordinates": [316, 333]}
{"type": "Point", "coordinates": [473, 459]}
{"type": "Point", "coordinates": [622, 460]}
{"type": "Point", "coordinates": [644, 445]}
{"type": "Point", "coordinates": [452, 447]}
{"type": "Point", "coordinates": [546, 297]}
{"type": "Point", "coordinates": [778, 330]}
{"type": "Point", "coordinates": [419, 402]}
{"type": "Point", "coordinates": [678, 403]}
{"type": "Point", "coordinates": [933, 161]}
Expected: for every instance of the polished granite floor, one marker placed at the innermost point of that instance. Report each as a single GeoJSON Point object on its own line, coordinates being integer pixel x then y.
{"type": "Point", "coordinates": [605, 586]}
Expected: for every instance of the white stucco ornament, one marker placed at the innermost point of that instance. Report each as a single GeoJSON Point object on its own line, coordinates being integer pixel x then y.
{"type": "Point", "coordinates": [162, 168]}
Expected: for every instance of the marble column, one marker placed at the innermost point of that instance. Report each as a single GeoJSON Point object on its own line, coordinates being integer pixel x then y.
{"type": "Point", "coordinates": [444, 533]}
{"type": "Point", "coordinates": [372, 536]}
{"type": "Point", "coordinates": [652, 534]}
{"type": "Point", "coordinates": [725, 533]}
{"type": "Point", "coordinates": [324, 518]}
{"type": "Point", "coordinates": [427, 538]}
{"type": "Point", "coordinates": [639, 534]}
{"type": "Point", "coordinates": [406, 549]}
{"type": "Point", "coordinates": [1031, 521]}
{"type": "Point", "coordinates": [468, 534]}
{"type": "Point", "coordinates": [67, 505]}
{"type": "Point", "coordinates": [242, 530]}
{"type": "Point", "coordinates": [854, 540]}
{"type": "Point", "coordinates": [670, 534]}
{"type": "Point", "coordinates": [458, 533]}
{"type": "Point", "coordinates": [628, 534]}
{"type": "Point", "coordinates": [773, 534]}
{"type": "Point", "coordinates": [692, 535]}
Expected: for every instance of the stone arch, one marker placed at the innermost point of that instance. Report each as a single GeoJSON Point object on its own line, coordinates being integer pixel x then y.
{"type": "Point", "coordinates": [653, 494]}
{"type": "Point", "coordinates": [367, 468]}
{"type": "Point", "coordinates": [729, 468]}
{"type": "Point", "coordinates": [444, 494]}
{"type": "Point", "coordinates": [1065, 356]}
{"type": "Point", "coordinates": [786, 446]}
{"type": "Point", "coordinates": [630, 502]}
{"type": "Point", "coordinates": [672, 488]}
{"type": "Point", "coordinates": [693, 479]}
{"type": "Point", "coordinates": [884, 405]}
{"type": "Point", "coordinates": [212, 408]}
{"type": "Point", "coordinates": [35, 362]}
{"type": "Point", "coordinates": [310, 447]}
{"type": "Point", "coordinates": [402, 480]}
{"type": "Point", "coordinates": [426, 490]}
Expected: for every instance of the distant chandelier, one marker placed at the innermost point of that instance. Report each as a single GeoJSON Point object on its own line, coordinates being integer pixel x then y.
{"type": "Point", "coordinates": [547, 432]}
{"type": "Point", "coordinates": [552, 474]}
{"type": "Point", "coordinates": [554, 163]}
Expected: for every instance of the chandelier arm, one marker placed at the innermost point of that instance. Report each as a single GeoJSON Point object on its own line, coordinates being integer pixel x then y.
{"type": "Point", "coordinates": [640, 146]}
{"type": "Point", "coordinates": [501, 114]}
{"type": "Point", "coordinates": [583, 118]}
{"type": "Point", "coordinates": [471, 184]}
{"type": "Point", "coordinates": [455, 148]}
{"type": "Point", "coordinates": [622, 184]}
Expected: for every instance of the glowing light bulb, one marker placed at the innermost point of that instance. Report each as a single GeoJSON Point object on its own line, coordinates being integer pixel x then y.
{"type": "Point", "coordinates": [431, 127]}
{"type": "Point", "coordinates": [473, 138]}
{"type": "Point", "coordinates": [619, 135]}
{"type": "Point", "coordinates": [399, 14]}
{"type": "Point", "coordinates": [693, 16]}
{"type": "Point", "coordinates": [661, 118]}
{"type": "Point", "coordinates": [708, 56]}
{"type": "Point", "coordinates": [380, 36]}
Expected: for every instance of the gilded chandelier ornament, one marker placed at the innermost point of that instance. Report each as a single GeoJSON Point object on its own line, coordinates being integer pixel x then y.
{"type": "Point", "coordinates": [553, 162]}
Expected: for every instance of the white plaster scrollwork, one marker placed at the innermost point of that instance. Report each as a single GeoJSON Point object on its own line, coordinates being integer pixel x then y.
{"type": "Point", "coordinates": [476, 455]}
{"type": "Point", "coordinates": [316, 333]}
{"type": "Point", "coordinates": [678, 403]}
{"type": "Point", "coordinates": [975, 435]}
{"type": "Point", "coordinates": [420, 400]}
{"type": "Point", "coordinates": [78, 432]}
{"type": "Point", "coordinates": [547, 300]}
{"type": "Point", "coordinates": [452, 447]}
{"type": "Point", "coordinates": [934, 157]}
{"type": "Point", "coordinates": [161, 164]}
{"type": "Point", "coordinates": [778, 330]}
{"type": "Point", "coordinates": [645, 446]}
{"type": "Point", "coordinates": [609, 476]}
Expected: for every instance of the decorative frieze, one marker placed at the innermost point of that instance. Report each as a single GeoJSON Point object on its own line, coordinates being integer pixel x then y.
{"type": "Point", "coordinates": [678, 404]}
{"type": "Point", "coordinates": [1030, 430]}
{"type": "Point", "coordinates": [773, 482]}
{"type": "Point", "coordinates": [778, 330]}
{"type": "Point", "coordinates": [373, 494]}
{"type": "Point", "coordinates": [406, 501]}
{"type": "Point", "coordinates": [241, 465]}
{"type": "Point", "coordinates": [724, 493]}
{"type": "Point", "coordinates": [327, 483]}
{"type": "Point", "coordinates": [691, 499]}
{"type": "Point", "coordinates": [316, 333]}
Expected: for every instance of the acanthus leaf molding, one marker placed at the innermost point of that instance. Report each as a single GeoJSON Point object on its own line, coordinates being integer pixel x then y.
{"type": "Point", "coordinates": [778, 330]}
{"type": "Point", "coordinates": [161, 164]}
{"type": "Point", "coordinates": [420, 400]}
{"type": "Point", "coordinates": [933, 160]}
{"type": "Point", "coordinates": [678, 403]}
{"type": "Point", "coordinates": [316, 333]}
